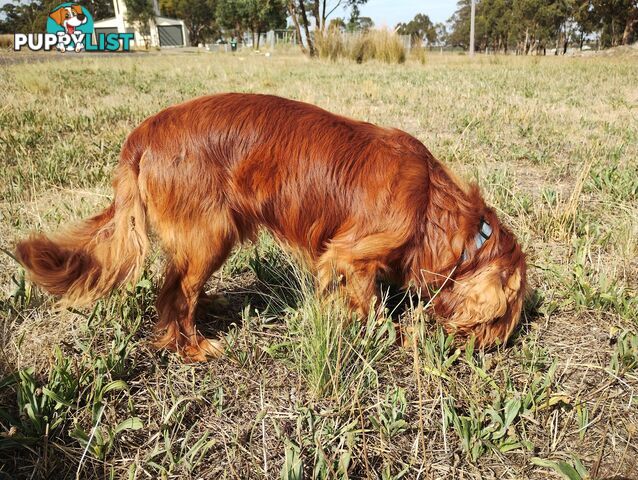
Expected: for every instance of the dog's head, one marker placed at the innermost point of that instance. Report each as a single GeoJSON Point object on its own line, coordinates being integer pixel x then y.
{"type": "Point", "coordinates": [484, 296]}
{"type": "Point", "coordinates": [69, 17]}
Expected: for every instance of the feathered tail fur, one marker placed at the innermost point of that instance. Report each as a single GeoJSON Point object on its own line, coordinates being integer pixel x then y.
{"type": "Point", "coordinates": [86, 261]}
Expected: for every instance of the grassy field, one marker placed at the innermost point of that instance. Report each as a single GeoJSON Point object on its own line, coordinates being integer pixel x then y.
{"type": "Point", "coordinates": [553, 142]}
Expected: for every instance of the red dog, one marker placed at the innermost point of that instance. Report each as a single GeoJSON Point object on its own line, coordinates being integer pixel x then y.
{"type": "Point", "coordinates": [360, 201]}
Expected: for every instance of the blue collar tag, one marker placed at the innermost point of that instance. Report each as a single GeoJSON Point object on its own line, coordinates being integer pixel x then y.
{"type": "Point", "coordinates": [484, 233]}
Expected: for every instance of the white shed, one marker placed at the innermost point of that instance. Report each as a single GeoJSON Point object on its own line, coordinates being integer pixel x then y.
{"type": "Point", "coordinates": [165, 32]}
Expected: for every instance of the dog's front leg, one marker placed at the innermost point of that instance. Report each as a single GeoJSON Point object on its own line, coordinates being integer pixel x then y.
{"type": "Point", "coordinates": [355, 276]}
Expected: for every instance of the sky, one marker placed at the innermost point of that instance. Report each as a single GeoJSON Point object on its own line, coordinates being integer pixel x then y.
{"type": "Point", "coordinates": [390, 12]}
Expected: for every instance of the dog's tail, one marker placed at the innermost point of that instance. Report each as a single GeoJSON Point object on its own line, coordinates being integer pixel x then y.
{"type": "Point", "coordinates": [86, 261]}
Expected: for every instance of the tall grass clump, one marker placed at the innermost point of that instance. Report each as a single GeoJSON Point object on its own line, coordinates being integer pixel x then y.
{"type": "Point", "coordinates": [418, 54]}
{"type": "Point", "coordinates": [331, 44]}
{"type": "Point", "coordinates": [6, 41]}
{"type": "Point", "coordinates": [382, 45]}
{"type": "Point", "coordinates": [334, 351]}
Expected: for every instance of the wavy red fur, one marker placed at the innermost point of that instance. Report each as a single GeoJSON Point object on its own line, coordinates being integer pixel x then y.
{"type": "Point", "coordinates": [360, 201]}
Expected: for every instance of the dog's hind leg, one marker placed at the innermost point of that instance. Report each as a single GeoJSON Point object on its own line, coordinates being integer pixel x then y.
{"type": "Point", "coordinates": [196, 252]}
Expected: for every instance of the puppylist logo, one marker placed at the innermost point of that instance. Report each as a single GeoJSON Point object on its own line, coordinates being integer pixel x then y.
{"type": "Point", "coordinates": [70, 29]}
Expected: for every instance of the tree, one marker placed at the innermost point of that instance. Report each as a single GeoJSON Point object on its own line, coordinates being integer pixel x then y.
{"type": "Point", "coordinates": [353, 21]}
{"type": "Point", "coordinates": [357, 23]}
{"type": "Point", "coordinates": [618, 19]}
{"type": "Point", "coordinates": [631, 26]}
{"type": "Point", "coordinates": [99, 8]}
{"type": "Point", "coordinates": [320, 10]}
{"type": "Point", "coordinates": [586, 20]}
{"type": "Point", "coordinates": [28, 17]}
{"type": "Point", "coordinates": [460, 25]}
{"type": "Point", "coordinates": [441, 33]}
{"type": "Point", "coordinates": [496, 24]}
{"type": "Point", "coordinates": [337, 23]}
{"type": "Point", "coordinates": [198, 15]}
{"type": "Point", "coordinates": [419, 28]}
{"type": "Point", "coordinates": [262, 15]}
{"type": "Point", "coordinates": [534, 25]}
{"type": "Point", "coordinates": [293, 14]}
{"type": "Point", "coordinates": [528, 25]}
{"type": "Point", "coordinates": [297, 10]}
{"type": "Point", "coordinates": [229, 17]}
{"type": "Point", "coordinates": [365, 24]}
{"type": "Point", "coordinates": [140, 13]}
{"type": "Point", "coordinates": [18, 17]}
{"type": "Point", "coordinates": [256, 16]}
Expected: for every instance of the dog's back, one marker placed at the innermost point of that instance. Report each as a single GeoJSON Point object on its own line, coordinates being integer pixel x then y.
{"type": "Point", "coordinates": [295, 168]}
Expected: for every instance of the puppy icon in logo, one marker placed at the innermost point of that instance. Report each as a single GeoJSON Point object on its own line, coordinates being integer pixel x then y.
{"type": "Point", "coordinates": [70, 17]}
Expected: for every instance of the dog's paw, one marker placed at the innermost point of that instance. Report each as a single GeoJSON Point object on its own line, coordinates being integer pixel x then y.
{"type": "Point", "coordinates": [206, 349]}
{"type": "Point", "coordinates": [79, 47]}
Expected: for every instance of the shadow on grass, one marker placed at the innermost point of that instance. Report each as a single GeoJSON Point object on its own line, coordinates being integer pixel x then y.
{"type": "Point", "coordinates": [534, 308]}
{"type": "Point", "coordinates": [224, 308]}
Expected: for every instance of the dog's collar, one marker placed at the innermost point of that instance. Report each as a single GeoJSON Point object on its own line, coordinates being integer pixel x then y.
{"type": "Point", "coordinates": [484, 233]}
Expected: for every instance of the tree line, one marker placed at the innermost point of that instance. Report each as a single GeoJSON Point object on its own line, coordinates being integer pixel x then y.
{"type": "Point", "coordinates": [524, 26]}
{"type": "Point", "coordinates": [528, 26]}
{"type": "Point", "coordinates": [206, 20]}
{"type": "Point", "coordinates": [28, 17]}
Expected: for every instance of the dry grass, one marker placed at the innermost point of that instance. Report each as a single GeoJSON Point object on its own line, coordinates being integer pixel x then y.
{"type": "Point", "coordinates": [382, 45]}
{"type": "Point", "coordinates": [6, 41]}
{"type": "Point", "coordinates": [553, 143]}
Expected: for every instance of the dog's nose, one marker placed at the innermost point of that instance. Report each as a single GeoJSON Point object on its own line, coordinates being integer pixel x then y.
{"type": "Point", "coordinates": [81, 17]}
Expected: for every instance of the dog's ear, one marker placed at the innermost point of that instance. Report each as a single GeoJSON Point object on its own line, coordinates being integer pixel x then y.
{"type": "Point", "coordinates": [59, 15]}
{"type": "Point", "coordinates": [478, 298]}
{"type": "Point", "coordinates": [487, 304]}
{"type": "Point", "coordinates": [485, 296]}
{"type": "Point", "coordinates": [513, 284]}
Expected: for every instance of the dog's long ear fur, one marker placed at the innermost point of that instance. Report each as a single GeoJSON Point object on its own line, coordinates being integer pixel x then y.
{"type": "Point", "coordinates": [58, 16]}
{"type": "Point", "coordinates": [453, 213]}
{"type": "Point", "coordinates": [485, 305]}
{"type": "Point", "coordinates": [485, 294]}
